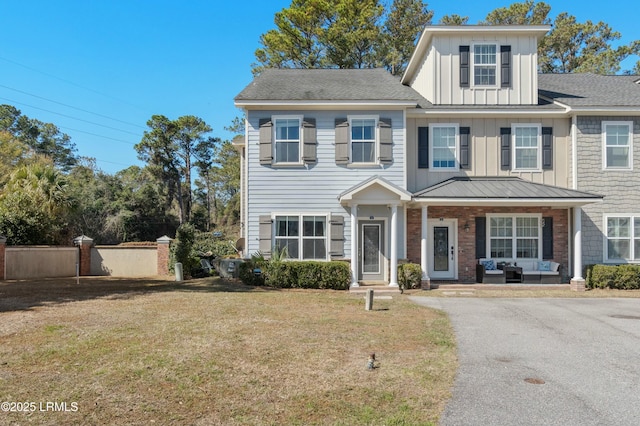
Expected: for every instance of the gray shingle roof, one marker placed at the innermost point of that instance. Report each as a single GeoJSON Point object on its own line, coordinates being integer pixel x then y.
{"type": "Point", "coordinates": [499, 188]}
{"type": "Point", "coordinates": [328, 85]}
{"type": "Point", "coordinates": [591, 90]}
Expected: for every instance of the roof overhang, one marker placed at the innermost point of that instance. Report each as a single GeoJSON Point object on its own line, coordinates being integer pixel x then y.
{"type": "Point", "coordinates": [508, 202]}
{"type": "Point", "coordinates": [486, 112]}
{"type": "Point", "coordinates": [374, 191]}
{"type": "Point", "coordinates": [320, 104]}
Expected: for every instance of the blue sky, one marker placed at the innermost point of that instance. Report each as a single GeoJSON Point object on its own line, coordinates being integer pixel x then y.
{"type": "Point", "coordinates": [100, 69]}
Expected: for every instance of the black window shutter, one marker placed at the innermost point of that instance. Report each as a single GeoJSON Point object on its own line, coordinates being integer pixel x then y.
{"type": "Point", "coordinates": [465, 147]}
{"type": "Point", "coordinates": [481, 237]}
{"type": "Point", "coordinates": [464, 66]}
{"type": "Point", "coordinates": [423, 147]}
{"type": "Point", "coordinates": [547, 238]}
{"type": "Point", "coordinates": [505, 148]}
{"type": "Point", "coordinates": [505, 66]}
{"type": "Point", "coordinates": [547, 148]}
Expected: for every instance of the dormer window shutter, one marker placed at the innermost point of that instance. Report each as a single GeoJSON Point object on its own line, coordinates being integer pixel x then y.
{"type": "Point", "coordinates": [464, 66]}
{"type": "Point", "coordinates": [423, 147]}
{"type": "Point", "coordinates": [386, 141]}
{"type": "Point", "coordinates": [547, 148]}
{"type": "Point", "coordinates": [505, 148]}
{"type": "Point", "coordinates": [309, 140]}
{"type": "Point", "coordinates": [342, 141]}
{"type": "Point", "coordinates": [465, 147]}
{"type": "Point", "coordinates": [265, 134]}
{"type": "Point", "coordinates": [505, 66]}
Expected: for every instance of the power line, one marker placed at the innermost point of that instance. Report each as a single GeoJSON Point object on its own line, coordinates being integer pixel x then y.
{"type": "Point", "coordinates": [99, 136]}
{"type": "Point", "coordinates": [74, 84]}
{"type": "Point", "coordinates": [71, 117]}
{"type": "Point", "coordinates": [70, 106]}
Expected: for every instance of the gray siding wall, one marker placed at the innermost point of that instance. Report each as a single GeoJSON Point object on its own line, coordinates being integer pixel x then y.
{"type": "Point", "coordinates": [485, 151]}
{"type": "Point", "coordinates": [315, 188]}
{"type": "Point", "coordinates": [621, 189]}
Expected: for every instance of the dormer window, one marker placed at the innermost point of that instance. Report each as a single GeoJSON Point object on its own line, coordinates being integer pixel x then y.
{"type": "Point", "coordinates": [485, 64]}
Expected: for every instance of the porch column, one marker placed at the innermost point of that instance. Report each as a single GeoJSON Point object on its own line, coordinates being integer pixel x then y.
{"type": "Point", "coordinates": [354, 246]}
{"type": "Point", "coordinates": [426, 281]}
{"type": "Point", "coordinates": [577, 282]}
{"type": "Point", "coordinates": [393, 276]}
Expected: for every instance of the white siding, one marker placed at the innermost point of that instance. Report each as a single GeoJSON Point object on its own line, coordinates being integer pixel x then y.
{"type": "Point", "coordinates": [315, 188]}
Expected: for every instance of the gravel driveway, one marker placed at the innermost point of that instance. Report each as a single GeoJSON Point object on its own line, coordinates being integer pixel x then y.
{"type": "Point", "coordinates": [544, 361]}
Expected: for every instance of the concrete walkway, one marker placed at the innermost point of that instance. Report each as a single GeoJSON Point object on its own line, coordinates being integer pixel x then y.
{"type": "Point", "coordinates": [544, 361]}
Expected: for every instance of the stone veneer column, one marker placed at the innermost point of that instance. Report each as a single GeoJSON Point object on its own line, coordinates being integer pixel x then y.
{"type": "Point", "coordinates": [163, 255]}
{"type": "Point", "coordinates": [3, 246]}
{"type": "Point", "coordinates": [84, 243]}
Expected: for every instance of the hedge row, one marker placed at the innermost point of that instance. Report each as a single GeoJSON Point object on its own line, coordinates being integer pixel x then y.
{"type": "Point", "coordinates": [306, 274]}
{"type": "Point", "coordinates": [619, 277]}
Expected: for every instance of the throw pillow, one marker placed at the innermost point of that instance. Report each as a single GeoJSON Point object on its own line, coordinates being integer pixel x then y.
{"type": "Point", "coordinates": [544, 265]}
{"type": "Point", "coordinates": [554, 266]}
{"type": "Point", "coordinates": [489, 264]}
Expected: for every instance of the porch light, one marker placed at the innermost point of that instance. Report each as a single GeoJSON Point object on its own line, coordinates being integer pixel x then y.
{"type": "Point", "coordinates": [466, 227]}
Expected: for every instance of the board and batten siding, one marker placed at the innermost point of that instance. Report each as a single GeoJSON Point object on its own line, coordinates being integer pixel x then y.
{"type": "Point", "coordinates": [315, 188]}
{"type": "Point", "coordinates": [438, 79]}
{"type": "Point", "coordinates": [485, 151]}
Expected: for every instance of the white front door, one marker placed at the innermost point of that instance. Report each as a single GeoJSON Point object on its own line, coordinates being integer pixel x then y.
{"type": "Point", "coordinates": [443, 249]}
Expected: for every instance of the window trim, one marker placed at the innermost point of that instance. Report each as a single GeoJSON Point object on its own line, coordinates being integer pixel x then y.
{"type": "Point", "coordinates": [274, 119]}
{"type": "Point", "coordinates": [432, 140]}
{"type": "Point", "coordinates": [632, 237]}
{"type": "Point", "coordinates": [629, 125]}
{"type": "Point", "coordinates": [300, 237]}
{"type": "Point", "coordinates": [514, 237]}
{"type": "Point", "coordinates": [514, 150]}
{"type": "Point", "coordinates": [376, 140]}
{"type": "Point", "coordinates": [496, 65]}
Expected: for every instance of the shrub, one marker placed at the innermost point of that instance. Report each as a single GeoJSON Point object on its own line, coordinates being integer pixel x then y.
{"type": "Point", "coordinates": [293, 274]}
{"type": "Point", "coordinates": [622, 277]}
{"type": "Point", "coordinates": [182, 249]}
{"type": "Point", "coordinates": [247, 275]}
{"type": "Point", "coordinates": [409, 275]}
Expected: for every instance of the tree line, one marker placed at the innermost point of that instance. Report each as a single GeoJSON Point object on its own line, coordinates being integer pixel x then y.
{"type": "Point", "coordinates": [49, 195]}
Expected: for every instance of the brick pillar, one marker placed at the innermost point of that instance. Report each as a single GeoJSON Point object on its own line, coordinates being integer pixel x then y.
{"type": "Point", "coordinates": [3, 245]}
{"type": "Point", "coordinates": [163, 255]}
{"type": "Point", "coordinates": [84, 243]}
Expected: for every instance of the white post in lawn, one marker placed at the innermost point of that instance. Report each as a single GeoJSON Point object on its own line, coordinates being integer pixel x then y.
{"type": "Point", "coordinates": [393, 279]}
{"type": "Point", "coordinates": [423, 245]}
{"type": "Point", "coordinates": [354, 246]}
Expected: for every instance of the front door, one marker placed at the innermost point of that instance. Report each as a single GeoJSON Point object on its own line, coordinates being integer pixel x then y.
{"type": "Point", "coordinates": [443, 241]}
{"type": "Point", "coordinates": [371, 251]}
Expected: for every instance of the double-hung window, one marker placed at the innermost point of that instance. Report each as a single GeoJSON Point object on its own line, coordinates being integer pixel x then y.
{"type": "Point", "coordinates": [618, 147]}
{"type": "Point", "coordinates": [527, 143]}
{"type": "Point", "coordinates": [485, 64]}
{"type": "Point", "coordinates": [363, 139]}
{"type": "Point", "coordinates": [304, 236]}
{"type": "Point", "coordinates": [515, 237]}
{"type": "Point", "coordinates": [623, 238]}
{"type": "Point", "coordinates": [287, 139]}
{"type": "Point", "coordinates": [444, 146]}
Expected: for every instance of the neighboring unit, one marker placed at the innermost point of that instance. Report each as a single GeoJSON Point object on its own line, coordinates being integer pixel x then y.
{"type": "Point", "coordinates": [471, 161]}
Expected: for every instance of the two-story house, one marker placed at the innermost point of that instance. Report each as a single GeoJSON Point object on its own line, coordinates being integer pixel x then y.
{"type": "Point", "coordinates": [470, 155]}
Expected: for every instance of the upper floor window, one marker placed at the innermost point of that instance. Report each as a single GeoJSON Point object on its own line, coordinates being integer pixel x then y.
{"type": "Point", "coordinates": [287, 139]}
{"type": "Point", "coordinates": [622, 238]}
{"type": "Point", "coordinates": [618, 147]}
{"type": "Point", "coordinates": [363, 140]}
{"type": "Point", "coordinates": [485, 64]}
{"type": "Point", "coordinates": [444, 146]}
{"type": "Point", "coordinates": [527, 146]}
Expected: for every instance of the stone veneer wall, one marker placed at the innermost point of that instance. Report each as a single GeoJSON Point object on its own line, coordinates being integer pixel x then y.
{"type": "Point", "coordinates": [467, 240]}
{"type": "Point", "coordinates": [621, 189]}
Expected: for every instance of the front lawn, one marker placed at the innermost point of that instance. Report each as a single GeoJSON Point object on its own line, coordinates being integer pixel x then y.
{"type": "Point", "coordinates": [207, 352]}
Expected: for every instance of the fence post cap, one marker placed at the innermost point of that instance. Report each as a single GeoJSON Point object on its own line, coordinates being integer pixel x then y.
{"type": "Point", "coordinates": [164, 240]}
{"type": "Point", "coordinates": [81, 240]}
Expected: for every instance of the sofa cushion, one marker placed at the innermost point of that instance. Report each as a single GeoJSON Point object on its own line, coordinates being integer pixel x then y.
{"type": "Point", "coordinates": [528, 265]}
{"type": "Point", "coordinates": [489, 264]}
{"type": "Point", "coordinates": [544, 266]}
{"type": "Point", "coordinates": [494, 272]}
{"type": "Point", "coordinates": [549, 273]}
